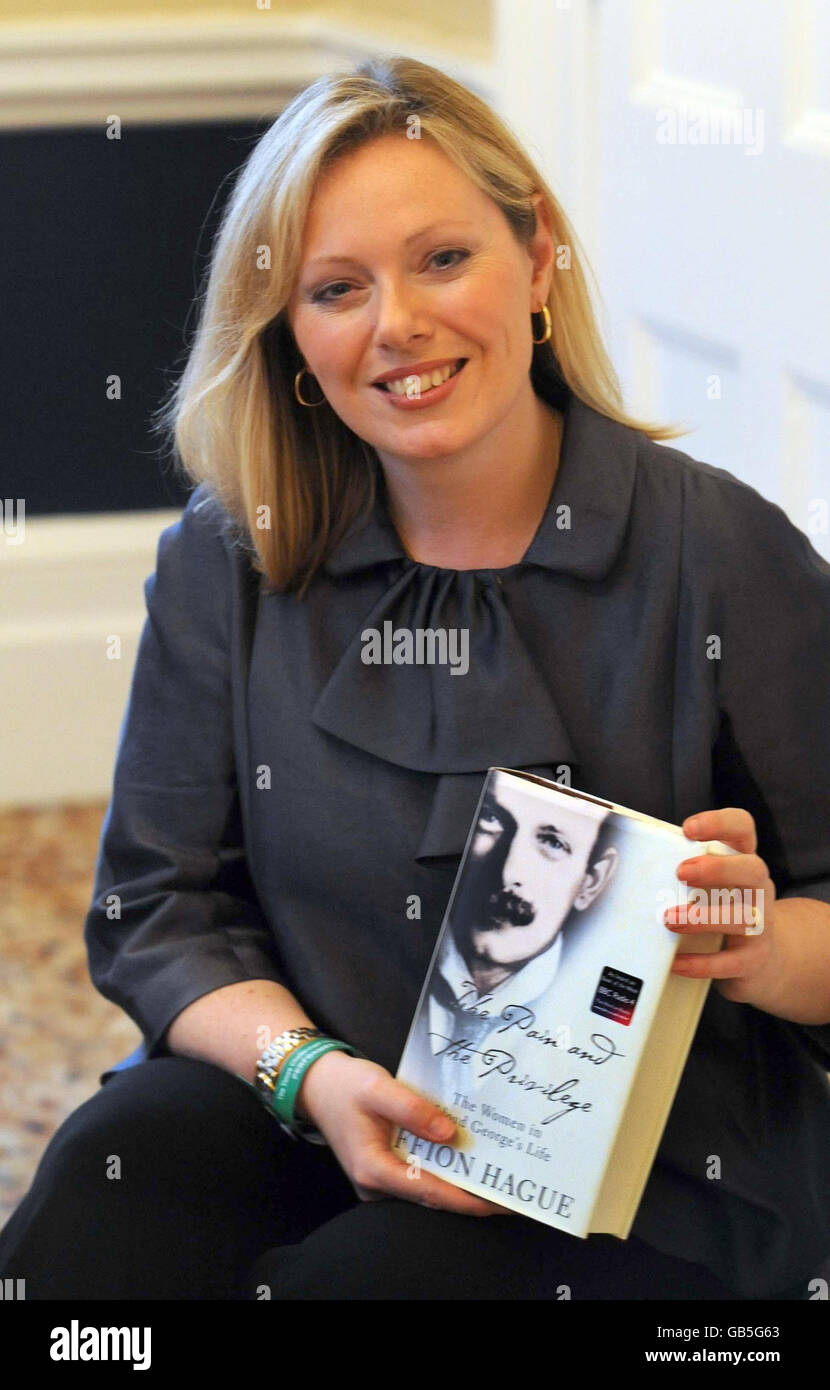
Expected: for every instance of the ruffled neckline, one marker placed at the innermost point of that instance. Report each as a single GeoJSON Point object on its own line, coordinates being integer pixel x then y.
{"type": "Point", "coordinates": [501, 711]}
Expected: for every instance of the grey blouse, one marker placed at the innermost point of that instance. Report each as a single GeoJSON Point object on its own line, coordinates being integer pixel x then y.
{"type": "Point", "coordinates": [281, 809]}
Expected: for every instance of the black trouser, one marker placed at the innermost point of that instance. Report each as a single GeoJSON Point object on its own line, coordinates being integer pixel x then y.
{"type": "Point", "coordinates": [173, 1182]}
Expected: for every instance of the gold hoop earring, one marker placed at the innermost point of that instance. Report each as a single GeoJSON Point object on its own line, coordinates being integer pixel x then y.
{"type": "Point", "coordinates": [310, 404]}
{"type": "Point", "coordinates": [545, 312]}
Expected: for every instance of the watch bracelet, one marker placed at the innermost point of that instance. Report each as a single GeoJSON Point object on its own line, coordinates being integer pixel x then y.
{"type": "Point", "coordinates": [272, 1057]}
{"type": "Point", "coordinates": [267, 1070]}
{"type": "Point", "coordinates": [269, 1067]}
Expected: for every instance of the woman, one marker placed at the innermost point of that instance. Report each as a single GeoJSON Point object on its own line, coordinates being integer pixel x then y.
{"type": "Point", "coordinates": [287, 816]}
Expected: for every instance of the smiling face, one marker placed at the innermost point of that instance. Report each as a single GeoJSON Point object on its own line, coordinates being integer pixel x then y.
{"type": "Point", "coordinates": [528, 865]}
{"type": "Point", "coordinates": [407, 262]}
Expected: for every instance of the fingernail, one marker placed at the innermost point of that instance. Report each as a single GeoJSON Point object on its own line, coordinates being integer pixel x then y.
{"type": "Point", "coordinates": [442, 1129]}
{"type": "Point", "coordinates": [691, 827]}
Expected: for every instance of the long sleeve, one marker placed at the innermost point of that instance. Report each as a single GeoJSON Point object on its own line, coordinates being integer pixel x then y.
{"type": "Point", "coordinates": [773, 751]}
{"type": "Point", "coordinates": [174, 914]}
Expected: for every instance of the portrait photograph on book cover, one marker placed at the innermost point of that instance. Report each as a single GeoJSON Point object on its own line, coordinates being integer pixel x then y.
{"type": "Point", "coordinates": [547, 977]}
{"type": "Point", "coordinates": [527, 889]}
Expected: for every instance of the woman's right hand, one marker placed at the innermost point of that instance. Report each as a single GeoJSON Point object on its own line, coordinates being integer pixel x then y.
{"type": "Point", "coordinates": [356, 1103]}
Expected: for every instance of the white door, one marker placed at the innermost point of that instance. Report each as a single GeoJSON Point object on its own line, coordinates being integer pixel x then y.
{"type": "Point", "coordinates": [690, 142]}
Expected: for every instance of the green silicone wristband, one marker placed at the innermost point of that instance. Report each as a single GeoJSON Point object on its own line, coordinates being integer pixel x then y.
{"type": "Point", "coordinates": [290, 1077]}
{"type": "Point", "coordinates": [293, 1070]}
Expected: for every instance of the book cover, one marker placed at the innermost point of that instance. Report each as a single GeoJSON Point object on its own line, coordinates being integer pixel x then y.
{"type": "Point", "coordinates": [549, 1025]}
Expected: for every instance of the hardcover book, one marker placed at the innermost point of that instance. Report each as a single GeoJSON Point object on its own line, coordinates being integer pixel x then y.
{"type": "Point", "coordinates": [550, 1027]}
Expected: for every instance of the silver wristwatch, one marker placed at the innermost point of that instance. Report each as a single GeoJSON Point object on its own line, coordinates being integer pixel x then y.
{"type": "Point", "coordinates": [267, 1069]}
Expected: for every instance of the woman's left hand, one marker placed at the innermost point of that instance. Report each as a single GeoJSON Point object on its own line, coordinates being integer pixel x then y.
{"type": "Point", "coordinates": [747, 917]}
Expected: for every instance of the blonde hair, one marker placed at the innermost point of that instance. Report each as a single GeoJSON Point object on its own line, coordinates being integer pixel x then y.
{"type": "Point", "coordinates": [233, 418]}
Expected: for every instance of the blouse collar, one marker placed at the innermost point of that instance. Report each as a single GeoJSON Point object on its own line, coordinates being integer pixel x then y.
{"type": "Point", "coordinates": [594, 481]}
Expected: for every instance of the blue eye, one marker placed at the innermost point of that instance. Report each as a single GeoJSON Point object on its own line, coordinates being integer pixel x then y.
{"type": "Point", "coordinates": [550, 844]}
{"type": "Point", "coordinates": [323, 296]}
{"type": "Point", "coordinates": [457, 252]}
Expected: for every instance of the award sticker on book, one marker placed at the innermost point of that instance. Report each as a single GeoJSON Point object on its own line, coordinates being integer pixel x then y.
{"type": "Point", "coordinates": [616, 995]}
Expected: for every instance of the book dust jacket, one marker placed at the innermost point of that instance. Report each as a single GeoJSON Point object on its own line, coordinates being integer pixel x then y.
{"type": "Point", "coordinates": [541, 998]}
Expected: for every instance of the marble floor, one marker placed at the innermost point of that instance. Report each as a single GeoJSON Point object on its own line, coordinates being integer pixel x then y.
{"type": "Point", "coordinates": [57, 1034]}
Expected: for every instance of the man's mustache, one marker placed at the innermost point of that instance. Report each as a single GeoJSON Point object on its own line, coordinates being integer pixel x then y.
{"type": "Point", "coordinates": [505, 907]}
